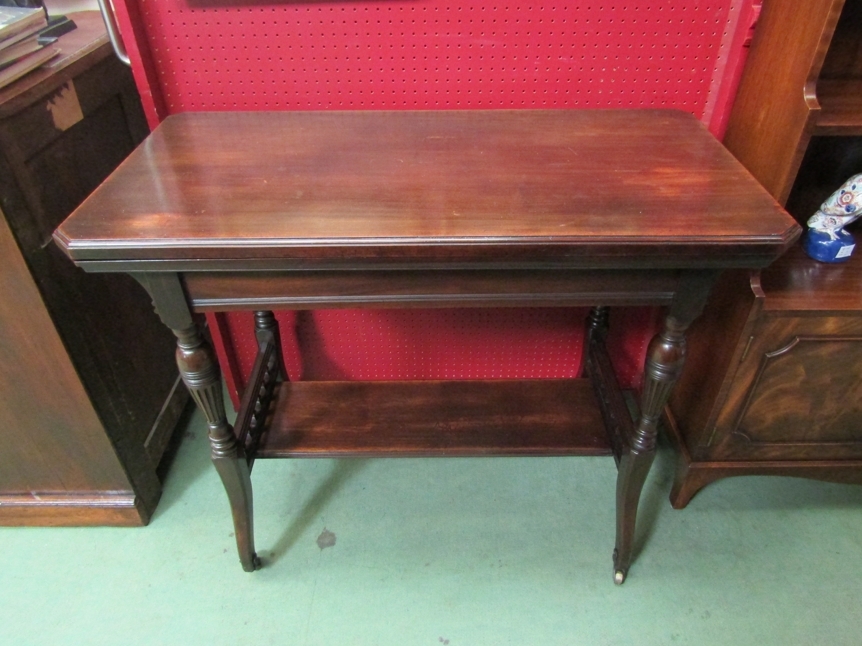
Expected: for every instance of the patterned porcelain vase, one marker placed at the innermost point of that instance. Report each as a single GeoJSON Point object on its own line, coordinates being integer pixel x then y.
{"type": "Point", "coordinates": [826, 239]}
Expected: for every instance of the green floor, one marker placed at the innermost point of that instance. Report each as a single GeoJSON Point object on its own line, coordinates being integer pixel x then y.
{"type": "Point", "coordinates": [460, 551]}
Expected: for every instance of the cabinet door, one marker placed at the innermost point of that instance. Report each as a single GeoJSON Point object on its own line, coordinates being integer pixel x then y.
{"type": "Point", "coordinates": [798, 392]}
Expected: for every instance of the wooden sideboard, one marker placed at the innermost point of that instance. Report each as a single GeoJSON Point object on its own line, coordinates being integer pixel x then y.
{"type": "Point", "coordinates": [89, 392]}
{"type": "Point", "coordinates": [777, 358]}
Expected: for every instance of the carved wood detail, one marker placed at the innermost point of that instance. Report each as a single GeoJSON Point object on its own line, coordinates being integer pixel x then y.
{"type": "Point", "coordinates": [829, 375]}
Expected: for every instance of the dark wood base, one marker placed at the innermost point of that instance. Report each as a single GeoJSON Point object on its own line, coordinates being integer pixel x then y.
{"type": "Point", "coordinates": [88, 508]}
{"type": "Point", "coordinates": [691, 475]}
{"type": "Point", "coordinates": [68, 509]}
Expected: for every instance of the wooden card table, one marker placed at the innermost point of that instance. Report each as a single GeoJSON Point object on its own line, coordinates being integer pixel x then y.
{"type": "Point", "coordinates": [294, 210]}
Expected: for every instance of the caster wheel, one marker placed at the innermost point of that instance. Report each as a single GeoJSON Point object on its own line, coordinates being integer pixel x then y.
{"type": "Point", "coordinates": [254, 565]}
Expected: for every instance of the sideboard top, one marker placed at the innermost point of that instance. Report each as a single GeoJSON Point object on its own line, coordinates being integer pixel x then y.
{"type": "Point", "coordinates": [577, 187]}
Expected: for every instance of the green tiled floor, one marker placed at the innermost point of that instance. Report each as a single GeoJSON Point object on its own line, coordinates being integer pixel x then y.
{"type": "Point", "coordinates": [460, 551]}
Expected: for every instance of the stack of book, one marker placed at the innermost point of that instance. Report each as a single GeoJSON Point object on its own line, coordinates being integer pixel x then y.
{"type": "Point", "coordinates": [20, 49]}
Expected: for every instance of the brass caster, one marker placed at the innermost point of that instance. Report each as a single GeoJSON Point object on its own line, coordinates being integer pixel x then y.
{"type": "Point", "coordinates": [619, 577]}
{"type": "Point", "coordinates": [255, 564]}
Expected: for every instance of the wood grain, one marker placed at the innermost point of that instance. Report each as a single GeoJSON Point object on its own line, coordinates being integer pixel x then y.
{"type": "Point", "coordinates": [579, 188]}
{"type": "Point", "coordinates": [221, 291]}
{"type": "Point", "coordinates": [798, 283]}
{"type": "Point", "coordinates": [693, 475]}
{"type": "Point", "coordinates": [841, 111]}
{"type": "Point", "coordinates": [434, 418]}
{"type": "Point", "coordinates": [64, 446]}
{"type": "Point", "coordinates": [774, 111]}
{"type": "Point", "coordinates": [796, 391]}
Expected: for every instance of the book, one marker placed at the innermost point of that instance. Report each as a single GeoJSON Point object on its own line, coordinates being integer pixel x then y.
{"type": "Point", "coordinates": [15, 20]}
{"type": "Point", "coordinates": [26, 64]}
{"type": "Point", "coordinates": [19, 50]}
{"type": "Point", "coordinates": [30, 32]}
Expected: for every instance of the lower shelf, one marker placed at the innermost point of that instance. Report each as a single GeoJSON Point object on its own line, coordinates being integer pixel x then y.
{"type": "Point", "coordinates": [434, 418]}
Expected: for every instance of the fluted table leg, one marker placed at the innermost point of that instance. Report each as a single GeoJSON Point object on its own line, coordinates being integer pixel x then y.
{"type": "Point", "coordinates": [664, 363]}
{"type": "Point", "coordinates": [201, 376]}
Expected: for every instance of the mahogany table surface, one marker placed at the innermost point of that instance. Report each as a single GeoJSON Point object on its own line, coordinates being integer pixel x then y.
{"type": "Point", "coordinates": [283, 190]}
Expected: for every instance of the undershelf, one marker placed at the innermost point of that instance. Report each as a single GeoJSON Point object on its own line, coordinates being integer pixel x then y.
{"type": "Point", "coordinates": [798, 282]}
{"type": "Point", "coordinates": [840, 107]}
{"type": "Point", "coordinates": [434, 418]}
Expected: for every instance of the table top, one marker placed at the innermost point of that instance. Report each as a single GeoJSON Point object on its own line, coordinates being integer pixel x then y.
{"type": "Point", "coordinates": [597, 188]}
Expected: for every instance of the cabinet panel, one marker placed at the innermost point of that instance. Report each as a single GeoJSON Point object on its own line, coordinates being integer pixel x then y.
{"type": "Point", "coordinates": [49, 443]}
{"type": "Point", "coordinates": [798, 394]}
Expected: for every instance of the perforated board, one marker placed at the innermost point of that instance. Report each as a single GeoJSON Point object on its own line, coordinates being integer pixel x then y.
{"type": "Point", "coordinates": [437, 54]}
{"type": "Point", "coordinates": [519, 343]}
{"type": "Point", "coordinates": [201, 55]}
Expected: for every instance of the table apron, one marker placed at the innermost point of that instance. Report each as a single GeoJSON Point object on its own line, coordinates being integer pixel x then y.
{"type": "Point", "coordinates": [256, 290]}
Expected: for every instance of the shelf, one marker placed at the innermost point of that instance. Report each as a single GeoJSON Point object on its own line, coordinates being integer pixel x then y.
{"type": "Point", "coordinates": [797, 282]}
{"type": "Point", "coordinates": [434, 418]}
{"type": "Point", "coordinates": [840, 107]}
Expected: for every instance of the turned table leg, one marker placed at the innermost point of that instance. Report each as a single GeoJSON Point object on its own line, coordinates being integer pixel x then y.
{"type": "Point", "coordinates": [201, 376]}
{"type": "Point", "coordinates": [664, 363]}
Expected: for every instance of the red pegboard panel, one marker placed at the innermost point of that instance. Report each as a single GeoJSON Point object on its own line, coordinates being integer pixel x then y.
{"type": "Point", "coordinates": [380, 345]}
{"type": "Point", "coordinates": [202, 55]}
{"type": "Point", "coordinates": [436, 54]}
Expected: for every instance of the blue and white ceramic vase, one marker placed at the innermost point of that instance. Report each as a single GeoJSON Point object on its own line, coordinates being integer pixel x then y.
{"type": "Point", "coordinates": [826, 240]}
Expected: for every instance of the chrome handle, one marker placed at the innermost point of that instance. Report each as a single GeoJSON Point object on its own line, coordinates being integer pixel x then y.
{"type": "Point", "coordinates": [107, 11]}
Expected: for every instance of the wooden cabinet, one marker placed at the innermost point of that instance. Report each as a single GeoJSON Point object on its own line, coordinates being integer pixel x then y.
{"type": "Point", "coordinates": [86, 409]}
{"type": "Point", "coordinates": [776, 361]}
